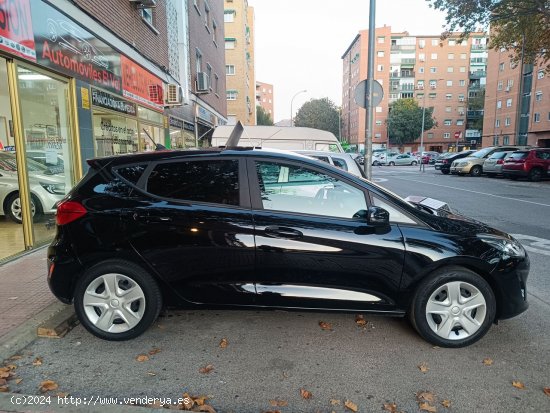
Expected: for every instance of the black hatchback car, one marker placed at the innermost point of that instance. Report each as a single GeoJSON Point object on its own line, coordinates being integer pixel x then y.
{"type": "Point", "coordinates": [443, 163]}
{"type": "Point", "coordinates": [255, 228]}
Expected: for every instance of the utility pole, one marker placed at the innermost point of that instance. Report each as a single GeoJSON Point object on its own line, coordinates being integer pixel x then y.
{"type": "Point", "coordinates": [370, 85]}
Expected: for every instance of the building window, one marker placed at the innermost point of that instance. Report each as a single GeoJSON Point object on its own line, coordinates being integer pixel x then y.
{"type": "Point", "coordinates": [462, 82]}
{"type": "Point", "coordinates": [501, 67]}
{"type": "Point", "coordinates": [460, 122]}
{"type": "Point", "coordinates": [495, 140]}
{"type": "Point", "coordinates": [380, 68]}
{"type": "Point", "coordinates": [449, 83]}
{"type": "Point", "coordinates": [540, 74]}
{"type": "Point", "coordinates": [538, 95]}
{"type": "Point", "coordinates": [435, 42]}
{"type": "Point", "coordinates": [230, 44]}
{"type": "Point", "coordinates": [460, 110]}
{"type": "Point", "coordinates": [147, 15]}
{"type": "Point", "coordinates": [216, 84]}
{"type": "Point", "coordinates": [378, 123]}
{"type": "Point", "coordinates": [452, 42]}
{"type": "Point", "coordinates": [381, 39]}
{"type": "Point", "coordinates": [379, 109]}
{"type": "Point", "coordinates": [462, 56]}
{"type": "Point", "coordinates": [420, 84]}
{"type": "Point", "coordinates": [229, 16]}
{"type": "Point", "coordinates": [433, 84]}
{"type": "Point", "coordinates": [433, 56]}
{"type": "Point", "coordinates": [380, 53]}
{"type": "Point", "coordinates": [499, 85]}
{"type": "Point", "coordinates": [451, 56]}
{"type": "Point", "coordinates": [499, 104]}
{"type": "Point", "coordinates": [209, 73]}
{"type": "Point", "coordinates": [449, 96]}
{"type": "Point", "coordinates": [206, 15]}
{"type": "Point", "coordinates": [509, 103]}
{"type": "Point", "coordinates": [198, 60]}
{"type": "Point", "coordinates": [448, 108]}
{"type": "Point", "coordinates": [447, 122]}
{"type": "Point", "coordinates": [430, 135]}
{"type": "Point", "coordinates": [433, 69]}
{"type": "Point", "coordinates": [215, 32]}
{"type": "Point", "coordinates": [450, 69]}
{"type": "Point", "coordinates": [231, 94]}
{"type": "Point", "coordinates": [462, 69]}
{"type": "Point", "coordinates": [506, 140]}
{"type": "Point", "coordinates": [421, 69]}
{"type": "Point", "coordinates": [509, 84]}
{"type": "Point", "coordinates": [446, 135]}
{"type": "Point", "coordinates": [497, 123]}
{"type": "Point", "coordinates": [422, 57]}
{"type": "Point", "coordinates": [536, 117]}
{"type": "Point", "coordinates": [229, 69]}
{"type": "Point", "coordinates": [421, 43]}
{"type": "Point", "coordinates": [507, 121]}
{"type": "Point", "coordinates": [461, 98]}
{"type": "Point", "coordinates": [432, 95]}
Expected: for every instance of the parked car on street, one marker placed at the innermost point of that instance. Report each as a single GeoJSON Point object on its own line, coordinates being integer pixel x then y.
{"type": "Point", "coordinates": [46, 188]}
{"type": "Point", "coordinates": [532, 164]}
{"type": "Point", "coordinates": [493, 164]}
{"type": "Point", "coordinates": [473, 164]}
{"type": "Point", "coordinates": [430, 157]}
{"type": "Point", "coordinates": [443, 163]}
{"type": "Point", "coordinates": [343, 161]}
{"type": "Point", "coordinates": [399, 159]}
{"type": "Point", "coordinates": [244, 228]}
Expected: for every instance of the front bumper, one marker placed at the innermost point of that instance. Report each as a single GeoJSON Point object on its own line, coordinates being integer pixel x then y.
{"type": "Point", "coordinates": [461, 169]}
{"type": "Point", "coordinates": [510, 286]}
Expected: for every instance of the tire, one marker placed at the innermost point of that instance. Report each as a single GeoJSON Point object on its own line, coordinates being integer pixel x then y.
{"type": "Point", "coordinates": [12, 208]}
{"type": "Point", "coordinates": [140, 311]}
{"type": "Point", "coordinates": [391, 163]}
{"type": "Point", "coordinates": [431, 301]}
{"type": "Point", "coordinates": [476, 170]}
{"type": "Point", "coordinates": [375, 163]}
{"type": "Point", "coordinates": [445, 172]}
{"type": "Point", "coordinates": [414, 163]}
{"type": "Point", "coordinates": [535, 175]}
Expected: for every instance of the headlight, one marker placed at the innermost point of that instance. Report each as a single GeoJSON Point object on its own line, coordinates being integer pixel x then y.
{"type": "Point", "coordinates": [56, 189]}
{"type": "Point", "coordinates": [463, 164]}
{"type": "Point", "coordinates": [510, 248]}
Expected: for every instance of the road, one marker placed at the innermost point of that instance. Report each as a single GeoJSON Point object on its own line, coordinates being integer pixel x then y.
{"type": "Point", "coordinates": [272, 355]}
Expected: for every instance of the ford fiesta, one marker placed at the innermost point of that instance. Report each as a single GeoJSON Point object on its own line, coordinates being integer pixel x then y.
{"type": "Point", "coordinates": [255, 228]}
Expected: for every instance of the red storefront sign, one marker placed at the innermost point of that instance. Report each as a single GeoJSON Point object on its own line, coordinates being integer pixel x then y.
{"type": "Point", "coordinates": [140, 85]}
{"type": "Point", "coordinates": [16, 34]}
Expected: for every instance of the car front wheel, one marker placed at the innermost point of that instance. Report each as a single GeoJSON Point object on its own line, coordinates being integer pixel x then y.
{"type": "Point", "coordinates": [454, 307]}
{"type": "Point", "coordinates": [476, 170]}
{"type": "Point", "coordinates": [413, 163]}
{"type": "Point", "coordinates": [14, 210]}
{"type": "Point", "coordinates": [391, 164]}
{"type": "Point", "coordinates": [117, 300]}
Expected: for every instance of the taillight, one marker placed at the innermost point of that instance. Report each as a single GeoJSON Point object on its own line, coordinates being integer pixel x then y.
{"type": "Point", "coordinates": [445, 161]}
{"type": "Point", "coordinates": [68, 211]}
{"type": "Point", "coordinates": [500, 161]}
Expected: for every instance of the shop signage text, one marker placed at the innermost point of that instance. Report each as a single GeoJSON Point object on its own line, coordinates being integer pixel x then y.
{"type": "Point", "coordinates": [108, 101]}
{"type": "Point", "coordinates": [206, 115]}
{"type": "Point", "coordinates": [140, 85]}
{"type": "Point", "coordinates": [16, 35]}
{"type": "Point", "coordinates": [176, 123]}
{"type": "Point", "coordinates": [63, 45]}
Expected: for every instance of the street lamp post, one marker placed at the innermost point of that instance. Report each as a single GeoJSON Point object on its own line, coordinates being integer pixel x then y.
{"type": "Point", "coordinates": [422, 134]}
{"type": "Point", "coordinates": [291, 101]}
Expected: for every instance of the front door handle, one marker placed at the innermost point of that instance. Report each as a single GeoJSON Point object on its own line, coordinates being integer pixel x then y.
{"type": "Point", "coordinates": [283, 232]}
{"type": "Point", "coordinates": [151, 218]}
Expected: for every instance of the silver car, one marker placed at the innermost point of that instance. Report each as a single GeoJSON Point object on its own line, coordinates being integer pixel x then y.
{"type": "Point", "coordinates": [493, 164]}
{"type": "Point", "coordinates": [341, 160]}
{"type": "Point", "coordinates": [46, 188]}
{"type": "Point", "coordinates": [400, 159]}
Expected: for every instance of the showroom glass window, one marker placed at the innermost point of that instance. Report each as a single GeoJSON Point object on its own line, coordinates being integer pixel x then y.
{"type": "Point", "coordinates": [48, 142]}
{"type": "Point", "coordinates": [210, 181]}
{"type": "Point", "coordinates": [114, 133]}
{"type": "Point", "coordinates": [302, 190]}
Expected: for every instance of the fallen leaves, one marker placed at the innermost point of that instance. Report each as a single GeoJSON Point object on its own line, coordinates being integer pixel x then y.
{"type": "Point", "coordinates": [423, 367]}
{"type": "Point", "coordinates": [350, 406]}
{"type": "Point", "coordinates": [427, 407]}
{"type": "Point", "coordinates": [278, 403]}
{"type": "Point", "coordinates": [488, 361]}
{"type": "Point", "coordinates": [196, 404]}
{"type": "Point", "coordinates": [446, 403]}
{"type": "Point", "coordinates": [518, 384]}
{"type": "Point", "coordinates": [390, 407]}
{"type": "Point", "coordinates": [154, 351]}
{"type": "Point", "coordinates": [546, 390]}
{"type": "Point", "coordinates": [142, 357]}
{"type": "Point", "coordinates": [223, 343]}
{"type": "Point", "coordinates": [335, 402]}
{"type": "Point", "coordinates": [425, 400]}
{"type": "Point", "coordinates": [360, 320]}
{"type": "Point", "coordinates": [47, 385]}
{"type": "Point", "coordinates": [206, 369]}
{"type": "Point", "coordinates": [425, 396]}
{"type": "Point", "coordinates": [325, 326]}
{"type": "Point", "coordinates": [37, 361]}
{"type": "Point", "coordinates": [305, 394]}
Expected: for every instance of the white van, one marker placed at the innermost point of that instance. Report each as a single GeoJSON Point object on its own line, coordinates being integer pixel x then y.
{"type": "Point", "coordinates": [280, 137]}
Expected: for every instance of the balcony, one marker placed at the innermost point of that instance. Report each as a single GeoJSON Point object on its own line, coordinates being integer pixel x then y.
{"type": "Point", "coordinates": [408, 61]}
{"type": "Point", "coordinates": [474, 114]}
{"type": "Point", "coordinates": [403, 47]}
{"type": "Point", "coordinates": [407, 74]}
{"type": "Point", "coordinates": [479, 47]}
{"type": "Point", "coordinates": [478, 74]}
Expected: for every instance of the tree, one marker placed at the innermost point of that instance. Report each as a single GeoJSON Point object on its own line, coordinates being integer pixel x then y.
{"type": "Point", "coordinates": [319, 114]}
{"type": "Point", "coordinates": [405, 121]}
{"type": "Point", "coordinates": [262, 117]}
{"type": "Point", "coordinates": [513, 23]}
{"type": "Point", "coordinates": [477, 103]}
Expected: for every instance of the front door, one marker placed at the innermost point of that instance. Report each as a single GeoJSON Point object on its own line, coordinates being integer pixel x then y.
{"type": "Point", "coordinates": [310, 250]}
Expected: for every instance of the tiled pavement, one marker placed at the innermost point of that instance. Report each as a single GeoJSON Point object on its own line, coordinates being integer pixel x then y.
{"type": "Point", "coordinates": [24, 290]}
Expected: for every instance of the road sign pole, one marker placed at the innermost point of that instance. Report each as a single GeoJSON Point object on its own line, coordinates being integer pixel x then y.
{"type": "Point", "coordinates": [370, 79]}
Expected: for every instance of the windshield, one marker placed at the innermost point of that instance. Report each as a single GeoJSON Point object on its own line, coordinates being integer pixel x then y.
{"type": "Point", "coordinates": [9, 163]}
{"type": "Point", "coordinates": [481, 153]}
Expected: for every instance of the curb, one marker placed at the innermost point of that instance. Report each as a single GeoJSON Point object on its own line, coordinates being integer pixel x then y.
{"type": "Point", "coordinates": [26, 333]}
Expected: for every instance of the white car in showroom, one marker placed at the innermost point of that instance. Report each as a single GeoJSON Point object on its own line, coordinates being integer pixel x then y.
{"type": "Point", "coordinates": [46, 187]}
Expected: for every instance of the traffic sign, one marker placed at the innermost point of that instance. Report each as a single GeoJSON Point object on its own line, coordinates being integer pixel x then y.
{"type": "Point", "coordinates": [362, 93]}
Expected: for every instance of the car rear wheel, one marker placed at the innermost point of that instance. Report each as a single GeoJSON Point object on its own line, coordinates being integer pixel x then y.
{"type": "Point", "coordinates": [535, 175]}
{"type": "Point", "coordinates": [413, 163]}
{"type": "Point", "coordinates": [445, 172]}
{"type": "Point", "coordinates": [391, 163]}
{"type": "Point", "coordinates": [454, 307]}
{"type": "Point", "coordinates": [476, 170]}
{"type": "Point", "coordinates": [117, 300]}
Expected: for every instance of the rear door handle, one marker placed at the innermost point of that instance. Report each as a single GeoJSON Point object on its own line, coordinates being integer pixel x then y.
{"type": "Point", "coordinates": [151, 218]}
{"type": "Point", "coordinates": [283, 232]}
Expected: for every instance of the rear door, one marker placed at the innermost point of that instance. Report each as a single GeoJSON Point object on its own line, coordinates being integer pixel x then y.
{"type": "Point", "coordinates": [310, 250]}
{"type": "Point", "coordinates": [193, 224]}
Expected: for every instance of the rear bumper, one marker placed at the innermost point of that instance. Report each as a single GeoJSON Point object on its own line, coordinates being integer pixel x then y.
{"type": "Point", "coordinates": [514, 172]}
{"type": "Point", "coordinates": [63, 270]}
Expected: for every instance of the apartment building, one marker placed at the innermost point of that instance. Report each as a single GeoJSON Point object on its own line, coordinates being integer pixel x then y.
{"type": "Point", "coordinates": [511, 116]}
{"type": "Point", "coordinates": [442, 75]}
{"type": "Point", "coordinates": [239, 62]}
{"type": "Point", "coordinates": [264, 98]}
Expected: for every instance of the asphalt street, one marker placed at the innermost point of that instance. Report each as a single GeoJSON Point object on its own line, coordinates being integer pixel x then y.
{"type": "Point", "coordinates": [270, 356]}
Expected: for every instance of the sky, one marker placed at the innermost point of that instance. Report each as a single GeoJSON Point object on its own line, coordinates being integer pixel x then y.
{"type": "Point", "coordinates": [299, 43]}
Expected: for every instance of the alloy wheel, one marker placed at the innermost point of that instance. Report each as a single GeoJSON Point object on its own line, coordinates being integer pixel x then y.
{"type": "Point", "coordinates": [456, 310]}
{"type": "Point", "coordinates": [16, 209]}
{"type": "Point", "coordinates": [114, 303]}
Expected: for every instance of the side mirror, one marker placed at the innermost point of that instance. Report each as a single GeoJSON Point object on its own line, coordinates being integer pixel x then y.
{"type": "Point", "coordinates": [378, 216]}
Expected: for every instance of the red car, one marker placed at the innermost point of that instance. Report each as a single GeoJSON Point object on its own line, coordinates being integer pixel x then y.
{"type": "Point", "coordinates": [533, 164]}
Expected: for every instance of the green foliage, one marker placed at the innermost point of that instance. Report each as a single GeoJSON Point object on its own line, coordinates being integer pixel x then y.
{"type": "Point", "coordinates": [510, 21]}
{"type": "Point", "coordinates": [405, 121]}
{"type": "Point", "coordinates": [477, 103]}
{"type": "Point", "coordinates": [319, 114]}
{"type": "Point", "coordinates": [262, 117]}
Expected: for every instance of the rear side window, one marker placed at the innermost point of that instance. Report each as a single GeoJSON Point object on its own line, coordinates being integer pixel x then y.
{"type": "Point", "coordinates": [498, 155]}
{"type": "Point", "coordinates": [203, 181]}
{"type": "Point", "coordinates": [518, 155]}
{"type": "Point", "coordinates": [340, 163]}
{"type": "Point", "coordinates": [543, 155]}
{"type": "Point", "coordinates": [131, 173]}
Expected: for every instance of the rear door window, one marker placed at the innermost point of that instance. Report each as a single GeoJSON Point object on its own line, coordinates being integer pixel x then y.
{"type": "Point", "coordinates": [212, 181]}
{"type": "Point", "coordinates": [131, 173]}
